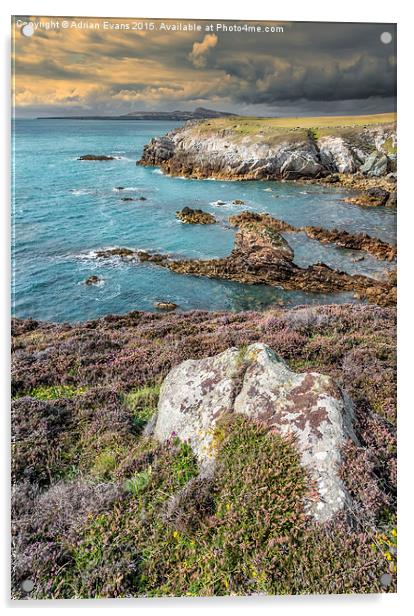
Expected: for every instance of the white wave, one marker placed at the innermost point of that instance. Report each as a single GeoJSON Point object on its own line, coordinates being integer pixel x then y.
{"type": "Point", "coordinates": [268, 189]}
{"type": "Point", "coordinates": [127, 189]}
{"type": "Point", "coordinates": [100, 283]}
{"type": "Point", "coordinates": [82, 191]}
{"type": "Point", "coordinates": [158, 171]}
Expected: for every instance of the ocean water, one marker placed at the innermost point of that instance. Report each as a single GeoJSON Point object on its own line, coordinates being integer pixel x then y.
{"type": "Point", "coordinates": [65, 209]}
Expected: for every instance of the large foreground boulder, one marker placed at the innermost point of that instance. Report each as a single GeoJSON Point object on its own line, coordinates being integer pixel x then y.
{"type": "Point", "coordinates": [257, 383]}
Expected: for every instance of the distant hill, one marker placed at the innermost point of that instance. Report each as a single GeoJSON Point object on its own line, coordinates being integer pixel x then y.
{"type": "Point", "coordinates": [198, 114]}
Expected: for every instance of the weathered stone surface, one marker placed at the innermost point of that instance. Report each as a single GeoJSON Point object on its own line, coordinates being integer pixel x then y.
{"type": "Point", "coordinates": [375, 165]}
{"type": "Point", "coordinates": [257, 383]}
{"type": "Point", "coordinates": [338, 155]}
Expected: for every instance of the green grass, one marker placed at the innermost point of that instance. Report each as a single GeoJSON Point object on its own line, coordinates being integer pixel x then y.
{"type": "Point", "coordinates": [53, 392]}
{"type": "Point", "coordinates": [142, 403]}
{"type": "Point", "coordinates": [138, 482]}
{"type": "Point", "coordinates": [250, 124]}
{"type": "Point", "coordinates": [277, 130]}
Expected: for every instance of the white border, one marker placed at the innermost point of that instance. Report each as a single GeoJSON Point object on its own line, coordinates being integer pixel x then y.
{"type": "Point", "coordinates": [300, 10]}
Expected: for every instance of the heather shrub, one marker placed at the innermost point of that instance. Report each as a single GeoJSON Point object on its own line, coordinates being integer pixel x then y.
{"type": "Point", "coordinates": [43, 521]}
{"type": "Point", "coordinates": [358, 473]}
{"type": "Point", "coordinates": [39, 429]}
{"type": "Point", "coordinates": [370, 378]}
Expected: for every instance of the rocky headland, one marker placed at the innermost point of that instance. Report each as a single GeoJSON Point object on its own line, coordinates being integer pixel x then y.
{"type": "Point", "coordinates": [267, 148]}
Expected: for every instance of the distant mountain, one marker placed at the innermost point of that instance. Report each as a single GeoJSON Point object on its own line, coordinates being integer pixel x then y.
{"type": "Point", "coordinates": [198, 114]}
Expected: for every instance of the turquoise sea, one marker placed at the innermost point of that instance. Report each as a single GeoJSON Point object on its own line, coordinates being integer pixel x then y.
{"type": "Point", "coordinates": [65, 209]}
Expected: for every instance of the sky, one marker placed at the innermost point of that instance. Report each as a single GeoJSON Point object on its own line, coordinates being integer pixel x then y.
{"type": "Point", "coordinates": [311, 68]}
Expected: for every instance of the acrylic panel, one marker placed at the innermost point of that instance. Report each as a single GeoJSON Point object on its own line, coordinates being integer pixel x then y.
{"type": "Point", "coordinates": [203, 307]}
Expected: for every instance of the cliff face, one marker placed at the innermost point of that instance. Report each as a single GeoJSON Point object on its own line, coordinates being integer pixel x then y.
{"type": "Point", "coordinates": [235, 150]}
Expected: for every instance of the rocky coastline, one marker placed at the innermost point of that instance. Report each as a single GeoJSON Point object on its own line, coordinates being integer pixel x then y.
{"type": "Point", "coordinates": [262, 256]}
{"type": "Point", "coordinates": [203, 149]}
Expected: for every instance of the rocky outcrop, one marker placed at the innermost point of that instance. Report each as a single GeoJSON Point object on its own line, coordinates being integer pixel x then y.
{"type": "Point", "coordinates": [93, 280]}
{"type": "Point", "coordinates": [262, 256]}
{"type": "Point", "coordinates": [95, 157]}
{"type": "Point", "coordinates": [165, 305]}
{"type": "Point", "coordinates": [373, 197]}
{"type": "Point", "coordinates": [231, 150]}
{"type": "Point", "coordinates": [195, 217]}
{"type": "Point", "coordinates": [359, 241]}
{"type": "Point", "coordinates": [255, 382]}
{"type": "Point", "coordinates": [353, 241]}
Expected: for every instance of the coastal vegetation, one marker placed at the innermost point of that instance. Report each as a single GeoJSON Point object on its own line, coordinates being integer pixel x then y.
{"type": "Point", "coordinates": [101, 509]}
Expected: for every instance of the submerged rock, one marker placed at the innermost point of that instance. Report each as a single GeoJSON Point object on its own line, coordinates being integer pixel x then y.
{"type": "Point", "coordinates": [93, 280]}
{"type": "Point", "coordinates": [127, 199]}
{"type": "Point", "coordinates": [195, 217]}
{"type": "Point", "coordinates": [95, 157]}
{"type": "Point", "coordinates": [257, 383]}
{"type": "Point", "coordinates": [238, 202]}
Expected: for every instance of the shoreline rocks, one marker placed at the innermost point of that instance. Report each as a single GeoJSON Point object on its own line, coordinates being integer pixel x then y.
{"type": "Point", "coordinates": [261, 255]}
{"type": "Point", "coordinates": [373, 197]}
{"type": "Point", "coordinates": [257, 383]}
{"type": "Point", "coordinates": [195, 217]}
{"type": "Point", "coordinates": [165, 305]}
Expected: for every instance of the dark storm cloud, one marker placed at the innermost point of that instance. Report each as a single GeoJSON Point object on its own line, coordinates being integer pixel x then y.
{"type": "Point", "coordinates": [315, 62]}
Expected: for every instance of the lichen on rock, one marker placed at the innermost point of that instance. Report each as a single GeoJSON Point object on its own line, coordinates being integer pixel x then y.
{"type": "Point", "coordinates": [255, 382]}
